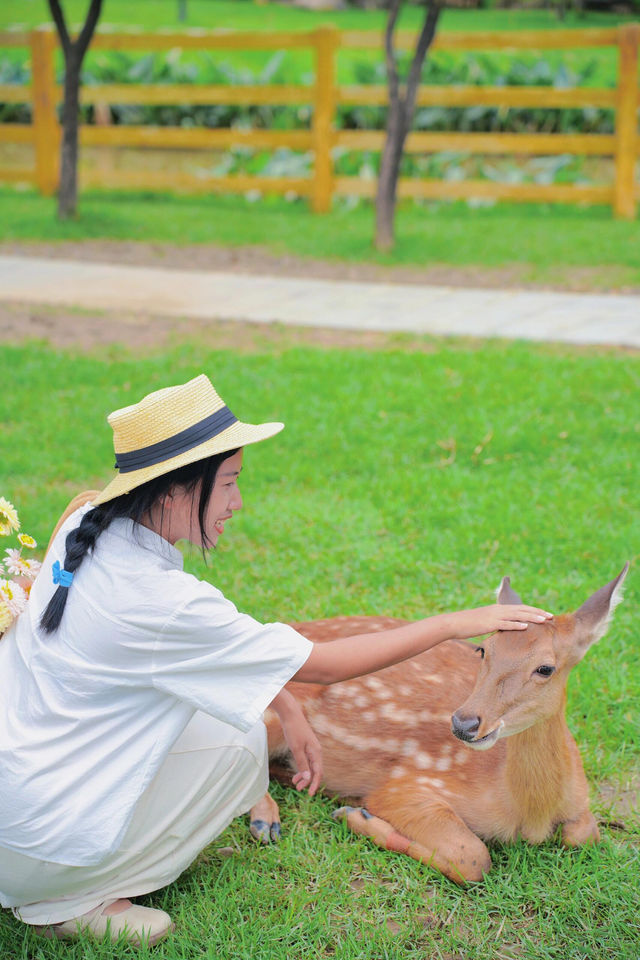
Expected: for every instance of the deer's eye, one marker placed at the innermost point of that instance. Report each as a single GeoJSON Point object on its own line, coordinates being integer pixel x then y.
{"type": "Point", "coordinates": [480, 650]}
{"type": "Point", "coordinates": [545, 670]}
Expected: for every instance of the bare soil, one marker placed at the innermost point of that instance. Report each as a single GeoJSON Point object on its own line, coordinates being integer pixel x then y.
{"type": "Point", "coordinates": [89, 330]}
{"type": "Point", "coordinates": [255, 260]}
{"type": "Point", "coordinates": [82, 329]}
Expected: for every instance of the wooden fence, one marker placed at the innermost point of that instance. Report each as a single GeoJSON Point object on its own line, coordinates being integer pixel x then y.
{"type": "Point", "coordinates": [325, 96]}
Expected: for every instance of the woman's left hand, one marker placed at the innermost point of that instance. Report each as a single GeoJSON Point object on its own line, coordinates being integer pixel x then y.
{"type": "Point", "coordinates": [302, 741]}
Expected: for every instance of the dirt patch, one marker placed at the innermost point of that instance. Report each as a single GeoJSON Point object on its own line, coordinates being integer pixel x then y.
{"type": "Point", "coordinates": [621, 802]}
{"type": "Point", "coordinates": [87, 330]}
{"type": "Point", "coordinates": [254, 260]}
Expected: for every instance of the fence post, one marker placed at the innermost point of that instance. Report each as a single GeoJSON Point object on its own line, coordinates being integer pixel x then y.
{"type": "Point", "coordinates": [624, 204]}
{"type": "Point", "coordinates": [327, 40]}
{"type": "Point", "coordinates": [45, 121]}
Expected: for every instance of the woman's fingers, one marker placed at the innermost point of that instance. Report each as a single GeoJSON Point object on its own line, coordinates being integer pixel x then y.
{"type": "Point", "coordinates": [532, 614]}
{"type": "Point", "coordinates": [521, 616]}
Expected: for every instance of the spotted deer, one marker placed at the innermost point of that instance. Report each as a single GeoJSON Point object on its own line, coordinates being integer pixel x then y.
{"type": "Point", "coordinates": [461, 744]}
{"type": "Point", "coordinates": [399, 740]}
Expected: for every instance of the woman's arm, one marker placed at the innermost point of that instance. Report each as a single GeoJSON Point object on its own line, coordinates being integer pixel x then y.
{"type": "Point", "coordinates": [302, 741]}
{"type": "Point", "coordinates": [368, 652]}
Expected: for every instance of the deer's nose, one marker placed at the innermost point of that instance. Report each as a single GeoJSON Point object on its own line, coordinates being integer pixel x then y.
{"type": "Point", "coordinates": [465, 728]}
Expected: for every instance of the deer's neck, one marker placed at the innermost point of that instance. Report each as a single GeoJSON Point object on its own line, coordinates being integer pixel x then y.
{"type": "Point", "coordinates": [538, 769]}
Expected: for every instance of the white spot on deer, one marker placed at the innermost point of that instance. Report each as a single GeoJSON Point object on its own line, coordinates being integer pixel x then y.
{"type": "Point", "coordinates": [323, 725]}
{"type": "Point", "coordinates": [422, 760]}
{"type": "Point", "coordinates": [361, 700]}
{"type": "Point", "coordinates": [424, 716]}
{"type": "Point", "coordinates": [444, 763]}
{"type": "Point", "coordinates": [370, 716]}
{"type": "Point", "coordinates": [373, 683]}
{"type": "Point", "coordinates": [404, 690]}
{"type": "Point", "coordinates": [397, 772]}
{"type": "Point", "coordinates": [391, 712]}
{"type": "Point", "coordinates": [409, 747]}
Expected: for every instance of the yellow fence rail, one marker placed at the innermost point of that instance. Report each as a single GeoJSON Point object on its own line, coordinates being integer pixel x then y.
{"type": "Point", "coordinates": [324, 96]}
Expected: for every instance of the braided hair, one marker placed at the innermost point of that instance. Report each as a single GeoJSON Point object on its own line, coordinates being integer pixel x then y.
{"type": "Point", "coordinates": [135, 505]}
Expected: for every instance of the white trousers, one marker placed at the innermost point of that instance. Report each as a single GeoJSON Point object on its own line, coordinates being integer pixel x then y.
{"type": "Point", "coordinates": [212, 774]}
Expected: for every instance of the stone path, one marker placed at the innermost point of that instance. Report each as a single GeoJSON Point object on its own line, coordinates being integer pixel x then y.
{"type": "Point", "coordinates": [579, 318]}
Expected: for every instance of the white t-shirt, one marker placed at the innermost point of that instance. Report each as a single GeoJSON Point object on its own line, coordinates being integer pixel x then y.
{"type": "Point", "coordinates": [88, 713]}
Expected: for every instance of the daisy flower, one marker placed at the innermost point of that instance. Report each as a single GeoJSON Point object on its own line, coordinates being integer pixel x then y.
{"type": "Point", "coordinates": [6, 617]}
{"type": "Point", "coordinates": [8, 518]}
{"type": "Point", "coordinates": [27, 541]}
{"type": "Point", "coordinates": [18, 565]}
{"type": "Point", "coordinates": [14, 563]}
{"type": "Point", "coordinates": [13, 597]}
{"type": "Point", "coordinates": [31, 568]}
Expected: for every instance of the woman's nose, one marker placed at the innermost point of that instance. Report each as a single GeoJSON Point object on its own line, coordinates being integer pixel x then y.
{"type": "Point", "coordinates": [236, 500]}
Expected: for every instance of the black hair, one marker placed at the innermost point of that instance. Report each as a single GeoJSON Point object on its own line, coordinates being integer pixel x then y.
{"type": "Point", "coordinates": [135, 505]}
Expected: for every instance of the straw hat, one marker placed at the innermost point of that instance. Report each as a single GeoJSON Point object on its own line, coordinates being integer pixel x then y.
{"type": "Point", "coordinates": [172, 427]}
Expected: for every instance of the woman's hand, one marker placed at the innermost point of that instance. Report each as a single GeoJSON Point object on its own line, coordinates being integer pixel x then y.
{"type": "Point", "coordinates": [498, 616]}
{"type": "Point", "coordinates": [302, 741]}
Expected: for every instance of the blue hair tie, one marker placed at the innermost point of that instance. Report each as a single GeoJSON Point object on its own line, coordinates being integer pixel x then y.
{"type": "Point", "coordinates": [60, 576]}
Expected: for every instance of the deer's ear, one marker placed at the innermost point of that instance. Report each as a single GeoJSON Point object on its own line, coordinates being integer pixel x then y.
{"type": "Point", "coordinates": [592, 619]}
{"type": "Point", "coordinates": [505, 594]}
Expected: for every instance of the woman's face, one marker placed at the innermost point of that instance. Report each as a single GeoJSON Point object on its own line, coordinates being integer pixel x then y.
{"type": "Point", "coordinates": [181, 511]}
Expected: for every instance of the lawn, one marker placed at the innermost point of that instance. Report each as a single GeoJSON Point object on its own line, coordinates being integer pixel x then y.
{"type": "Point", "coordinates": [407, 482]}
{"type": "Point", "coordinates": [269, 16]}
{"type": "Point", "coordinates": [565, 246]}
{"type": "Point", "coordinates": [248, 15]}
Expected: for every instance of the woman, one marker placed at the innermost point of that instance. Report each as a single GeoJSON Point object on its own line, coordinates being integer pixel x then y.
{"type": "Point", "coordinates": [130, 714]}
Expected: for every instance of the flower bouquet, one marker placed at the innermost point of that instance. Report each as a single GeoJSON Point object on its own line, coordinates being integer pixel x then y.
{"type": "Point", "coordinates": [14, 589]}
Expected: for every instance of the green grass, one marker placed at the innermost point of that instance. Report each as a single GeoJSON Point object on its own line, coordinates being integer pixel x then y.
{"type": "Point", "coordinates": [546, 242]}
{"type": "Point", "coordinates": [246, 15]}
{"type": "Point", "coordinates": [358, 507]}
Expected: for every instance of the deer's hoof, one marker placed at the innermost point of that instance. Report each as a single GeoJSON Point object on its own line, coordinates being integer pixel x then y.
{"type": "Point", "coordinates": [342, 812]}
{"type": "Point", "coordinates": [265, 832]}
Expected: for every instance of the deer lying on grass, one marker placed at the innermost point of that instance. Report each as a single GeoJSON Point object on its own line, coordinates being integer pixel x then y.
{"type": "Point", "coordinates": [387, 739]}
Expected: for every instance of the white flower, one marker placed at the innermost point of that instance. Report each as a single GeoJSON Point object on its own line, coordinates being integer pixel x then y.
{"type": "Point", "coordinates": [6, 617]}
{"type": "Point", "coordinates": [8, 518]}
{"type": "Point", "coordinates": [14, 562]}
{"type": "Point", "coordinates": [31, 568]}
{"type": "Point", "coordinates": [13, 596]}
{"type": "Point", "coordinates": [20, 566]}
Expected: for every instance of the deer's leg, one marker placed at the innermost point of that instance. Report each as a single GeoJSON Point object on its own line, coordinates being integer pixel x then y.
{"type": "Point", "coordinates": [264, 820]}
{"type": "Point", "coordinates": [423, 827]}
{"type": "Point", "coordinates": [583, 829]}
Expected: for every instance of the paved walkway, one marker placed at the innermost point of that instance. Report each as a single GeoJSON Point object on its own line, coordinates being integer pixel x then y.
{"type": "Point", "coordinates": [535, 315]}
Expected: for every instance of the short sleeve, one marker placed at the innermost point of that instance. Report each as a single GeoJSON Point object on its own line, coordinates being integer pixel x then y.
{"type": "Point", "coordinates": [224, 662]}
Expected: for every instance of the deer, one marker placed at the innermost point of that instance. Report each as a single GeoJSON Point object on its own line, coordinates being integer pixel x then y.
{"type": "Point", "coordinates": [463, 744]}
{"type": "Point", "coordinates": [458, 746]}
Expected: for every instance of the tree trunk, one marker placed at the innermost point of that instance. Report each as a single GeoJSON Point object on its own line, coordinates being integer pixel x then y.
{"type": "Point", "coordinates": [388, 179]}
{"type": "Point", "coordinates": [74, 51]}
{"type": "Point", "coordinates": [68, 190]}
{"type": "Point", "coordinates": [399, 118]}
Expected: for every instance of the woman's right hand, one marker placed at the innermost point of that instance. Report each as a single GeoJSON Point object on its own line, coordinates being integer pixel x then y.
{"type": "Point", "coordinates": [499, 616]}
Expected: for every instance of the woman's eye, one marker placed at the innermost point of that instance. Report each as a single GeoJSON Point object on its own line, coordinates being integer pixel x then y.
{"type": "Point", "coordinates": [545, 670]}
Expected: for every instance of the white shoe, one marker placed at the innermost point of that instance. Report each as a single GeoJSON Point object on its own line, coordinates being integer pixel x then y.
{"type": "Point", "coordinates": [138, 924]}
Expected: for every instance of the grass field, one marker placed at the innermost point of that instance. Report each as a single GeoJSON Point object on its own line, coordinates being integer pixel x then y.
{"type": "Point", "coordinates": [248, 15]}
{"type": "Point", "coordinates": [270, 16]}
{"type": "Point", "coordinates": [548, 244]}
{"type": "Point", "coordinates": [406, 482]}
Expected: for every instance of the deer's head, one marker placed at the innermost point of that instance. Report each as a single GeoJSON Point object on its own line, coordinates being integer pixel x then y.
{"type": "Point", "coordinates": [522, 674]}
